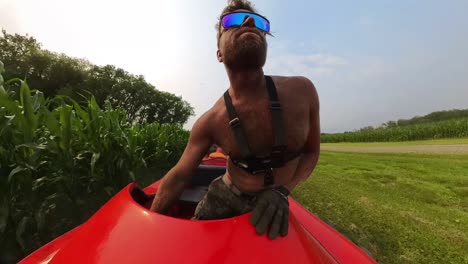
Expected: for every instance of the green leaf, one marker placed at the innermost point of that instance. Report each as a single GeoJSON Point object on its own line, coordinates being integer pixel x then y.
{"type": "Point", "coordinates": [81, 113]}
{"type": "Point", "coordinates": [94, 159]}
{"type": "Point", "coordinates": [38, 183]}
{"type": "Point", "coordinates": [20, 232]}
{"type": "Point", "coordinates": [65, 122]}
{"type": "Point", "coordinates": [30, 116]}
{"type": "Point", "coordinates": [26, 234]}
{"type": "Point", "coordinates": [2, 69]}
{"type": "Point", "coordinates": [132, 176]}
{"type": "Point", "coordinates": [51, 122]}
{"type": "Point", "coordinates": [109, 190]}
{"type": "Point", "coordinates": [32, 146]}
{"type": "Point", "coordinates": [15, 171]}
{"type": "Point", "coordinates": [4, 213]}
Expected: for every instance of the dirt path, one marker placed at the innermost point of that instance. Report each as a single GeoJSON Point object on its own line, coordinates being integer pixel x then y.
{"type": "Point", "coordinates": [455, 149]}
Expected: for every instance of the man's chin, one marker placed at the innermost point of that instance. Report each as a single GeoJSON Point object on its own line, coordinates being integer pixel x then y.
{"type": "Point", "coordinates": [249, 34]}
{"type": "Point", "coordinates": [248, 53]}
{"type": "Point", "coordinates": [244, 63]}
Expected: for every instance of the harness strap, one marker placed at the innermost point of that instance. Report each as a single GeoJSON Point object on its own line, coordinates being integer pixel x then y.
{"type": "Point", "coordinates": [236, 126]}
{"type": "Point", "coordinates": [278, 152]}
{"type": "Point", "coordinates": [268, 178]}
{"type": "Point", "coordinates": [293, 155]}
{"type": "Point", "coordinates": [276, 115]}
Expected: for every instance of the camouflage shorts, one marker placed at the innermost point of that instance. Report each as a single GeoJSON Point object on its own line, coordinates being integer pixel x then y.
{"type": "Point", "coordinates": [223, 201]}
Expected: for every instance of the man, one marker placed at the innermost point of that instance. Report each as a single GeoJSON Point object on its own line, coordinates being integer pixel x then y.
{"type": "Point", "coordinates": [268, 126]}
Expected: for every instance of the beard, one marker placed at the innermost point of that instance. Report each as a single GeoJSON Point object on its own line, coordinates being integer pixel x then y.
{"type": "Point", "coordinates": [245, 51]}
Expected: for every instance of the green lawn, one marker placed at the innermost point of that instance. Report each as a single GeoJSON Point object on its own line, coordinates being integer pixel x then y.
{"type": "Point", "coordinates": [449, 141]}
{"type": "Point", "coordinates": [403, 208]}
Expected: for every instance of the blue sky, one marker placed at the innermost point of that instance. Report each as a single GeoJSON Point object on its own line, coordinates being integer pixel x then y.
{"type": "Point", "coordinates": [371, 61]}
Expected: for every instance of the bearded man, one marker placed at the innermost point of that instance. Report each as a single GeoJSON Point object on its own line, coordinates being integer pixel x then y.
{"type": "Point", "coordinates": [268, 126]}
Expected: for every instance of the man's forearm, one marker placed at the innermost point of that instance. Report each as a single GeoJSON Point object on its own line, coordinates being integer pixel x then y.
{"type": "Point", "coordinates": [168, 192]}
{"type": "Point", "coordinates": [304, 169]}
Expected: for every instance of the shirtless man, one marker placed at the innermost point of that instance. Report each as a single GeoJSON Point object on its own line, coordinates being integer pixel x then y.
{"type": "Point", "coordinates": [283, 139]}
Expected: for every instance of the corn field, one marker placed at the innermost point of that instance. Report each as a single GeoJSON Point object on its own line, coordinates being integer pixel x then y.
{"type": "Point", "coordinates": [454, 128]}
{"type": "Point", "coordinates": [60, 161]}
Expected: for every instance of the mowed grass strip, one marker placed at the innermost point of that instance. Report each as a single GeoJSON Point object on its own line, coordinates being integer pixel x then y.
{"type": "Point", "coordinates": [447, 141]}
{"type": "Point", "coordinates": [403, 208]}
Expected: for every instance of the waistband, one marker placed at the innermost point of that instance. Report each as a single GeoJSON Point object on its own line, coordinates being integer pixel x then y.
{"type": "Point", "coordinates": [236, 190]}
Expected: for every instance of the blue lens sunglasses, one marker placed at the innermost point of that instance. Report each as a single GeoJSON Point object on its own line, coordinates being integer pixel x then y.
{"type": "Point", "coordinates": [236, 18]}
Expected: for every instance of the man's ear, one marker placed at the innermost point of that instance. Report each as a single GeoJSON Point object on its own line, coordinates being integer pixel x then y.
{"type": "Point", "coordinates": [219, 55]}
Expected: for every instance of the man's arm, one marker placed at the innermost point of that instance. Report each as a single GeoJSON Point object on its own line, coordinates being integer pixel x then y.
{"type": "Point", "coordinates": [175, 181]}
{"type": "Point", "coordinates": [309, 159]}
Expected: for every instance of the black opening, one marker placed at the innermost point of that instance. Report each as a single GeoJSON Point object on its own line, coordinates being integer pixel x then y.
{"type": "Point", "coordinates": [190, 198]}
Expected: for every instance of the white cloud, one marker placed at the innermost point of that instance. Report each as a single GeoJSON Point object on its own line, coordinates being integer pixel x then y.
{"type": "Point", "coordinates": [313, 65]}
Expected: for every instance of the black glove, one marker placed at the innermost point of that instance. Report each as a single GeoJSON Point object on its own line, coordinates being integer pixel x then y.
{"type": "Point", "coordinates": [272, 209]}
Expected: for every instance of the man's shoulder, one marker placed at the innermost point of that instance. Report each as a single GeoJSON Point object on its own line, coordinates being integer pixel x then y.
{"type": "Point", "coordinates": [301, 85]}
{"type": "Point", "coordinates": [210, 116]}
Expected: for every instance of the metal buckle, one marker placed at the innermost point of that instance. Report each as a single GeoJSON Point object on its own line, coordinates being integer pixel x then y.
{"type": "Point", "coordinates": [243, 165]}
{"type": "Point", "coordinates": [275, 105]}
{"type": "Point", "coordinates": [235, 122]}
{"type": "Point", "coordinates": [277, 154]}
{"type": "Point", "coordinates": [257, 172]}
{"type": "Point", "coordinates": [269, 170]}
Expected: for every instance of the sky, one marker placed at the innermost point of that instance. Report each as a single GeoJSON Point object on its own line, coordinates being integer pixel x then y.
{"type": "Point", "coordinates": [371, 61]}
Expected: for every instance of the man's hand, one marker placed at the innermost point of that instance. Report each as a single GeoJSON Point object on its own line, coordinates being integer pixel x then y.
{"type": "Point", "coordinates": [175, 181]}
{"type": "Point", "coordinates": [272, 210]}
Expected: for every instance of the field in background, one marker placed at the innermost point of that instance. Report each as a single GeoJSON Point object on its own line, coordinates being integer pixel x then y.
{"type": "Point", "coordinates": [453, 128]}
{"type": "Point", "coordinates": [447, 141]}
{"type": "Point", "coordinates": [403, 208]}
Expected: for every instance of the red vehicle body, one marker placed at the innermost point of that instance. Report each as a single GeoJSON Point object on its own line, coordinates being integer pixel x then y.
{"type": "Point", "coordinates": [124, 230]}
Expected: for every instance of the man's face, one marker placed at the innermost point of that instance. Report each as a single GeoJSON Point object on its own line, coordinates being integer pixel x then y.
{"type": "Point", "coordinates": [242, 47]}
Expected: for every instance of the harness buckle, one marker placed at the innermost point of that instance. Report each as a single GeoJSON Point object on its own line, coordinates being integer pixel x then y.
{"type": "Point", "coordinates": [275, 105]}
{"type": "Point", "coordinates": [243, 165]}
{"type": "Point", "coordinates": [258, 171]}
{"type": "Point", "coordinates": [268, 178]}
{"type": "Point", "coordinates": [277, 153]}
{"type": "Point", "coordinates": [235, 122]}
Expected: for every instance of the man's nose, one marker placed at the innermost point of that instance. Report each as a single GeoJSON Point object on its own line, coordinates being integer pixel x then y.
{"type": "Point", "coordinates": [248, 22]}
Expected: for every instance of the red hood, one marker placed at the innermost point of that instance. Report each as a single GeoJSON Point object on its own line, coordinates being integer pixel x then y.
{"type": "Point", "coordinates": [123, 231]}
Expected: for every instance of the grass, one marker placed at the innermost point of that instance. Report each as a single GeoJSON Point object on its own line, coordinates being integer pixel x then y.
{"type": "Point", "coordinates": [403, 208]}
{"type": "Point", "coordinates": [447, 141]}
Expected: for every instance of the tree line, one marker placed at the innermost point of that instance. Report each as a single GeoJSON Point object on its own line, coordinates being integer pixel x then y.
{"type": "Point", "coordinates": [429, 118]}
{"type": "Point", "coordinates": [436, 125]}
{"type": "Point", "coordinates": [58, 74]}
{"type": "Point", "coordinates": [452, 128]}
{"type": "Point", "coordinates": [438, 116]}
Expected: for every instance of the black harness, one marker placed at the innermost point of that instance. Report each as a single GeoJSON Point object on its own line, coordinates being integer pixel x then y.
{"type": "Point", "coordinates": [279, 156]}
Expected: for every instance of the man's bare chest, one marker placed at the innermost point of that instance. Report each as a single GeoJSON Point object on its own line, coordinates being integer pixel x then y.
{"type": "Point", "coordinates": [256, 121]}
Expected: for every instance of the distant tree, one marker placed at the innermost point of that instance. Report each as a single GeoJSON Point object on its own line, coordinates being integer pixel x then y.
{"type": "Point", "coordinates": [141, 100]}
{"type": "Point", "coordinates": [54, 74]}
{"type": "Point", "coordinates": [2, 69]}
{"type": "Point", "coordinates": [402, 122]}
{"type": "Point", "coordinates": [389, 124]}
{"type": "Point", "coordinates": [367, 128]}
{"type": "Point", "coordinates": [437, 116]}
